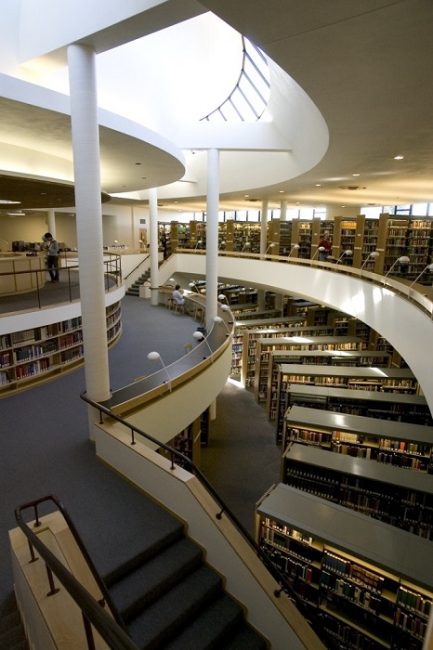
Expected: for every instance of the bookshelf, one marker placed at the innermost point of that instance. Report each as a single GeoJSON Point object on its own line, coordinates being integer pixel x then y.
{"type": "Point", "coordinates": [419, 247]}
{"type": "Point", "coordinates": [302, 235]}
{"type": "Point", "coordinates": [370, 583]}
{"type": "Point", "coordinates": [398, 380]}
{"type": "Point", "coordinates": [32, 355]}
{"type": "Point", "coordinates": [277, 403]}
{"type": "Point", "coordinates": [301, 341]}
{"type": "Point", "coordinates": [370, 403]}
{"type": "Point", "coordinates": [278, 397]}
{"type": "Point", "coordinates": [279, 233]}
{"type": "Point", "coordinates": [401, 444]}
{"type": "Point", "coordinates": [246, 335]}
{"type": "Point", "coordinates": [390, 494]}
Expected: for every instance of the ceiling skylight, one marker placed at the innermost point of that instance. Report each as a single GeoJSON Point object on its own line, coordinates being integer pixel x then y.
{"type": "Point", "coordinates": [248, 99]}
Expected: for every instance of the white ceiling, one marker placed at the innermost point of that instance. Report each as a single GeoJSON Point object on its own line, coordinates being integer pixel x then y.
{"type": "Point", "coordinates": [367, 67]}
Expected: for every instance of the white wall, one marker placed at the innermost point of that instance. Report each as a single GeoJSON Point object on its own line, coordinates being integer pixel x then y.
{"type": "Point", "coordinates": [402, 323]}
{"type": "Point", "coordinates": [121, 222]}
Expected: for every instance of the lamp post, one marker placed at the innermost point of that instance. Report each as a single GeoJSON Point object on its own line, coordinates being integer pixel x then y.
{"type": "Point", "coordinates": [200, 337]}
{"type": "Point", "coordinates": [346, 253]}
{"type": "Point", "coordinates": [429, 268]}
{"type": "Point", "coordinates": [295, 247]}
{"type": "Point", "coordinates": [271, 245]}
{"type": "Point", "coordinates": [246, 245]}
{"type": "Point", "coordinates": [199, 243]}
{"type": "Point", "coordinates": [155, 356]}
{"type": "Point", "coordinates": [404, 259]}
{"type": "Point", "coordinates": [193, 287]}
{"type": "Point", "coordinates": [218, 320]}
{"type": "Point", "coordinates": [320, 249]}
{"type": "Point", "coordinates": [371, 256]}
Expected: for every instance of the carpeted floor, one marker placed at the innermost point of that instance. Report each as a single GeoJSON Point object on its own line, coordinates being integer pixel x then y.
{"type": "Point", "coordinates": [45, 447]}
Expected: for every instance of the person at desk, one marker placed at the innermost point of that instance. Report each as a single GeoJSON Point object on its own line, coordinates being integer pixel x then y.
{"type": "Point", "coordinates": [178, 296]}
{"type": "Point", "coordinates": [52, 249]}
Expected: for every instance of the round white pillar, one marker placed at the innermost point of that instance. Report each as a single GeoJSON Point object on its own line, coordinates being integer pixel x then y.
{"type": "Point", "coordinates": [212, 236]}
{"type": "Point", "coordinates": [153, 240]}
{"type": "Point", "coordinates": [283, 210]}
{"type": "Point", "coordinates": [51, 221]}
{"type": "Point", "coordinates": [85, 144]}
{"type": "Point", "coordinates": [263, 227]}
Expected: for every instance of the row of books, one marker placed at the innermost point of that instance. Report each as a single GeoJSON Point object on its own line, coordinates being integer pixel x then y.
{"type": "Point", "coordinates": [33, 368]}
{"type": "Point", "coordinates": [359, 574]}
{"type": "Point", "coordinates": [413, 601]}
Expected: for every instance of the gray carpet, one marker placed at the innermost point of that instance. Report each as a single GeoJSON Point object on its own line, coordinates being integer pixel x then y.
{"type": "Point", "coordinates": [45, 446]}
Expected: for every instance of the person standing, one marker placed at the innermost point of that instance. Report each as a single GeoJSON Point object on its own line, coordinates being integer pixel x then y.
{"type": "Point", "coordinates": [326, 244]}
{"type": "Point", "coordinates": [51, 246]}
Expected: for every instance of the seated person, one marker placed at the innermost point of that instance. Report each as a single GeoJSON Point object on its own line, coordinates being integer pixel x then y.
{"type": "Point", "coordinates": [177, 295]}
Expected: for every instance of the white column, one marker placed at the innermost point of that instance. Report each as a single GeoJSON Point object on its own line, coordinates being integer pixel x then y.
{"type": "Point", "coordinates": [263, 245]}
{"type": "Point", "coordinates": [283, 210]}
{"type": "Point", "coordinates": [85, 144]}
{"type": "Point", "coordinates": [212, 235]}
{"type": "Point", "coordinates": [51, 221]}
{"type": "Point", "coordinates": [263, 226]}
{"type": "Point", "coordinates": [153, 241]}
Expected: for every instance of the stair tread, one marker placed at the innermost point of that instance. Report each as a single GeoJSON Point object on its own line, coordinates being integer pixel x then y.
{"type": "Point", "coordinates": [14, 636]}
{"type": "Point", "coordinates": [159, 622]}
{"type": "Point", "coordinates": [214, 625]}
{"type": "Point", "coordinates": [9, 621]}
{"type": "Point", "coordinates": [155, 577]}
{"type": "Point", "coordinates": [131, 550]}
{"type": "Point", "coordinates": [245, 638]}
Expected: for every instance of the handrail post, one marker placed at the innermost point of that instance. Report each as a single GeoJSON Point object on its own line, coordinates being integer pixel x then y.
{"type": "Point", "coordinates": [37, 520]}
{"type": "Point", "coordinates": [89, 633]}
{"type": "Point", "coordinates": [69, 280]}
{"type": "Point", "coordinates": [33, 556]}
{"type": "Point", "coordinates": [133, 437]}
{"type": "Point", "coordinates": [53, 589]}
{"type": "Point", "coordinates": [37, 288]}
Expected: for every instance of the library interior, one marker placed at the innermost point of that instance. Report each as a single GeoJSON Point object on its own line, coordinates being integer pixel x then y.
{"type": "Point", "coordinates": [216, 320]}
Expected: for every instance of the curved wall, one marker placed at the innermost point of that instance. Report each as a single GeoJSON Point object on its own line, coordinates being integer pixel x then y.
{"type": "Point", "coordinates": [402, 323]}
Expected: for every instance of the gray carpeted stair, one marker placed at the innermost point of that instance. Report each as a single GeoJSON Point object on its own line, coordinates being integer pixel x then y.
{"type": "Point", "coordinates": [134, 289]}
{"type": "Point", "coordinates": [12, 635]}
{"type": "Point", "coordinates": [169, 598]}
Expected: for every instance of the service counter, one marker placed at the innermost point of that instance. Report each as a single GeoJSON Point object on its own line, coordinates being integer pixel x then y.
{"type": "Point", "coordinates": [20, 273]}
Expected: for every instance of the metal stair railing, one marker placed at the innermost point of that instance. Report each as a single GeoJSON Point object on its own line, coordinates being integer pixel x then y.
{"type": "Point", "coordinates": [110, 627]}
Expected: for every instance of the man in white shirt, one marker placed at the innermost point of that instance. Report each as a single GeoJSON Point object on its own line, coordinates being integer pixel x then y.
{"type": "Point", "coordinates": [177, 295]}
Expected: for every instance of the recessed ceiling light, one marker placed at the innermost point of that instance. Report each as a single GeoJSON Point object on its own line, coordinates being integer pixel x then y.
{"type": "Point", "coordinates": [7, 202]}
{"type": "Point", "coordinates": [318, 185]}
{"type": "Point", "coordinates": [398, 157]}
{"type": "Point", "coordinates": [246, 196]}
{"type": "Point", "coordinates": [356, 174]}
{"type": "Point", "coordinates": [281, 191]}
